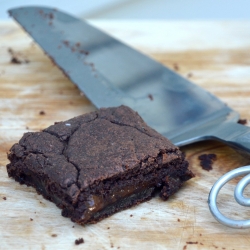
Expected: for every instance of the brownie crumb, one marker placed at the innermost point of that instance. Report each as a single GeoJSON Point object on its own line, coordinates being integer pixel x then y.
{"type": "Point", "coordinates": [192, 242]}
{"type": "Point", "coordinates": [15, 60]}
{"type": "Point", "coordinates": [178, 220]}
{"type": "Point", "coordinates": [206, 161]}
{"type": "Point", "coordinates": [176, 67]}
{"type": "Point", "coordinates": [108, 227]}
{"type": "Point", "coordinates": [242, 121]}
{"type": "Point", "coordinates": [4, 198]}
{"type": "Point", "coordinates": [41, 112]}
{"type": "Point", "coordinates": [111, 245]}
{"type": "Point", "coordinates": [200, 234]}
{"type": "Point", "coordinates": [66, 43]}
{"type": "Point", "coordinates": [131, 215]}
{"type": "Point", "coordinates": [54, 235]}
{"type": "Point", "coordinates": [201, 244]}
{"type": "Point", "coordinates": [73, 226]}
{"type": "Point", "coordinates": [10, 50]}
{"type": "Point", "coordinates": [51, 16]}
{"type": "Point", "coordinates": [150, 97]}
{"type": "Point", "coordinates": [189, 75]}
{"type": "Point", "coordinates": [79, 241]}
{"type": "Point", "coordinates": [31, 219]}
{"type": "Point", "coordinates": [15, 57]}
{"type": "Point", "coordinates": [84, 52]}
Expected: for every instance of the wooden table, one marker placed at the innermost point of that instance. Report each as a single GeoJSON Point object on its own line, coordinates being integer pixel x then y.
{"type": "Point", "coordinates": [35, 93]}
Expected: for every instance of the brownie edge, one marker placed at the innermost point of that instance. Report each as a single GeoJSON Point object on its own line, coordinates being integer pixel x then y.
{"type": "Point", "coordinates": [99, 163]}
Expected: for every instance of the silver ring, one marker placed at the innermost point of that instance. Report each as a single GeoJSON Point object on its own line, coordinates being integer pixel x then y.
{"type": "Point", "coordinates": [238, 195]}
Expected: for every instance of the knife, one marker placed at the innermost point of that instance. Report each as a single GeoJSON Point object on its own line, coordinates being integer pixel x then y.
{"type": "Point", "coordinates": [111, 73]}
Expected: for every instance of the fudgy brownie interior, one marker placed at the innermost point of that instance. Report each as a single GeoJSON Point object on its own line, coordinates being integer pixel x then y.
{"type": "Point", "coordinates": [99, 163]}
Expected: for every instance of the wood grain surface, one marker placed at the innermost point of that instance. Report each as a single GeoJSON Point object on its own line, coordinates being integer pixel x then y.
{"type": "Point", "coordinates": [34, 94]}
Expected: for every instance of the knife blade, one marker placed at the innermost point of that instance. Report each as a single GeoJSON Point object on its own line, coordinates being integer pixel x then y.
{"type": "Point", "coordinates": [111, 73]}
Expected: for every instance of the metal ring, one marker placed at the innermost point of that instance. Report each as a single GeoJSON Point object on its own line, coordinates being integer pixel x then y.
{"type": "Point", "coordinates": [238, 194]}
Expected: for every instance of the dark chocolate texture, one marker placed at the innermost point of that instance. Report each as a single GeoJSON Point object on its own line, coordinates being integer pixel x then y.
{"type": "Point", "coordinates": [99, 163]}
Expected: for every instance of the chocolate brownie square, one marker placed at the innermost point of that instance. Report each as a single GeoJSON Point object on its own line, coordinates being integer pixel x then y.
{"type": "Point", "coordinates": [99, 163]}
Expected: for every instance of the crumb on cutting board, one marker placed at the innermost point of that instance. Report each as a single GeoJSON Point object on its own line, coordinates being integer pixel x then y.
{"type": "Point", "coordinates": [206, 161]}
{"type": "Point", "coordinates": [79, 241]}
{"type": "Point", "coordinates": [242, 121]}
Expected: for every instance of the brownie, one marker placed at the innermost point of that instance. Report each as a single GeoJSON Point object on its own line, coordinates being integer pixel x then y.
{"type": "Point", "coordinates": [99, 163]}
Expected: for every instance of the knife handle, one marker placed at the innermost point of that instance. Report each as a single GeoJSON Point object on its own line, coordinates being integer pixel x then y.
{"type": "Point", "coordinates": [235, 135]}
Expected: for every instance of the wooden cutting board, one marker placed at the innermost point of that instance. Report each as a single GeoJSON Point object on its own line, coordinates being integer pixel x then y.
{"type": "Point", "coordinates": [35, 93]}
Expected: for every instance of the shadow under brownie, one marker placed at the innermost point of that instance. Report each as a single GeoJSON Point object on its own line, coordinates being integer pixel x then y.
{"type": "Point", "coordinates": [99, 163]}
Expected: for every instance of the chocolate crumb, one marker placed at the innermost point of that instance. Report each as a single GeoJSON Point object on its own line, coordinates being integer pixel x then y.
{"type": "Point", "coordinates": [108, 227]}
{"type": "Point", "coordinates": [131, 215]}
{"type": "Point", "coordinates": [31, 219]}
{"type": "Point", "coordinates": [206, 161]}
{"type": "Point", "coordinates": [79, 241]}
{"type": "Point", "coordinates": [65, 42]}
{"type": "Point", "coordinates": [27, 127]}
{"type": "Point", "coordinates": [242, 121]}
{"type": "Point", "coordinates": [51, 16]}
{"type": "Point", "coordinates": [150, 97]}
{"type": "Point", "coordinates": [189, 75]}
{"type": "Point", "coordinates": [10, 51]}
{"type": "Point", "coordinates": [178, 220]}
{"type": "Point", "coordinates": [41, 112]}
{"type": "Point", "coordinates": [200, 234]}
{"type": "Point", "coordinates": [176, 66]}
{"type": "Point", "coordinates": [54, 235]}
{"type": "Point", "coordinates": [4, 198]}
{"type": "Point", "coordinates": [192, 242]}
{"type": "Point", "coordinates": [14, 57]}
{"type": "Point", "coordinates": [15, 60]}
{"type": "Point", "coordinates": [73, 226]}
{"type": "Point", "coordinates": [201, 244]}
{"type": "Point", "coordinates": [84, 52]}
{"type": "Point", "coordinates": [111, 245]}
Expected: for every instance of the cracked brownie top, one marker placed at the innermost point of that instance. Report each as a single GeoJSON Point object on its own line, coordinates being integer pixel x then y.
{"type": "Point", "coordinates": [92, 147]}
